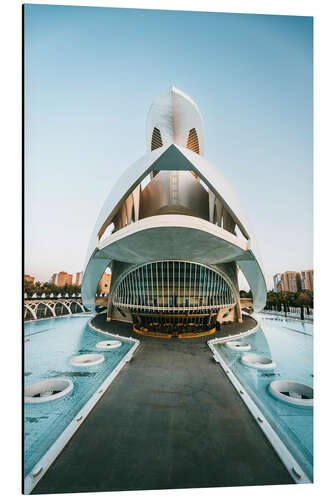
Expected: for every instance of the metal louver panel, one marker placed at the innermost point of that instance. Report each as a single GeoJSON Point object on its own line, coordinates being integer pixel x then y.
{"type": "Point", "coordinates": [156, 139]}
{"type": "Point", "coordinates": [192, 141]}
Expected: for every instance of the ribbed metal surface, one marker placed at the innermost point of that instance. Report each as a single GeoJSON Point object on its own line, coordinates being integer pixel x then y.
{"type": "Point", "coordinates": [174, 192]}
{"type": "Point", "coordinates": [193, 141]}
{"type": "Point", "coordinates": [173, 286]}
{"type": "Point", "coordinates": [156, 139]}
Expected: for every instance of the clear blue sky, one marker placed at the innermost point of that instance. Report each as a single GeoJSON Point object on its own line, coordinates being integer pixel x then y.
{"type": "Point", "coordinates": [91, 74]}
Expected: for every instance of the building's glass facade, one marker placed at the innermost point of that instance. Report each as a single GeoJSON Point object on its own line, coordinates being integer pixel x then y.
{"type": "Point", "coordinates": [173, 285]}
{"type": "Point", "coordinates": [168, 293]}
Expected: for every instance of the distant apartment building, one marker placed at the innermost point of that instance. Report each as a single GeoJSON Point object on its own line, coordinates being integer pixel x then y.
{"type": "Point", "coordinates": [307, 280]}
{"type": "Point", "coordinates": [291, 281]}
{"type": "Point", "coordinates": [104, 284]}
{"type": "Point", "coordinates": [78, 278]}
{"type": "Point", "coordinates": [29, 278]}
{"type": "Point", "coordinates": [277, 282]}
{"type": "Point", "coordinates": [62, 279]}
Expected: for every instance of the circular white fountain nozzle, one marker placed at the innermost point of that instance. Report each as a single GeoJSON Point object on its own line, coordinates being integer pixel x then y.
{"type": "Point", "coordinates": [292, 392]}
{"type": "Point", "coordinates": [47, 390]}
{"type": "Point", "coordinates": [87, 359]}
{"type": "Point", "coordinates": [108, 344]}
{"type": "Point", "coordinates": [258, 361]}
{"type": "Point", "coordinates": [236, 345]}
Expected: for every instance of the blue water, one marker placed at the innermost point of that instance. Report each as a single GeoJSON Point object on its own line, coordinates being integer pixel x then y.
{"type": "Point", "coordinates": [290, 344]}
{"type": "Point", "coordinates": [49, 346]}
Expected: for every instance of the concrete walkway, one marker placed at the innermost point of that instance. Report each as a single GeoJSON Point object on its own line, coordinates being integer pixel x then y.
{"type": "Point", "coordinates": [171, 419]}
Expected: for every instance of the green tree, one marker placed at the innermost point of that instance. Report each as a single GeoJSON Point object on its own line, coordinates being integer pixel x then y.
{"type": "Point", "coordinates": [303, 299]}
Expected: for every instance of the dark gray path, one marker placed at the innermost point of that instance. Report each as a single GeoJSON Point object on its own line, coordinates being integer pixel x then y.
{"type": "Point", "coordinates": [171, 419]}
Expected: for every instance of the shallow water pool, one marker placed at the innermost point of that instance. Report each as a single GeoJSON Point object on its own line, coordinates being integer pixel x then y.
{"type": "Point", "coordinates": [290, 344]}
{"type": "Point", "coordinates": [48, 347]}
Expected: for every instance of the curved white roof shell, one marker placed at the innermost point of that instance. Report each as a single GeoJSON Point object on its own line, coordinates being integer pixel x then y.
{"type": "Point", "coordinates": [173, 236]}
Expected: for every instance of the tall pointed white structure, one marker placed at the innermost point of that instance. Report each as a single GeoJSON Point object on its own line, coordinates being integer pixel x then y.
{"type": "Point", "coordinates": [174, 115]}
{"type": "Point", "coordinates": [174, 246]}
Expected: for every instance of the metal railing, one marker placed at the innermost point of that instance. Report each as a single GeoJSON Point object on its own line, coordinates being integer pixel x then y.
{"type": "Point", "coordinates": [293, 312]}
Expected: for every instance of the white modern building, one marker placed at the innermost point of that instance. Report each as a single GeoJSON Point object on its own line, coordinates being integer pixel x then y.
{"type": "Point", "coordinates": [174, 234]}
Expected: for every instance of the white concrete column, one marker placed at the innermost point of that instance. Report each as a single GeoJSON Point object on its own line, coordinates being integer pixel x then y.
{"type": "Point", "coordinates": [218, 205]}
{"type": "Point", "coordinates": [129, 207]}
{"type": "Point", "coordinates": [123, 215]}
{"type": "Point", "coordinates": [211, 206]}
{"type": "Point", "coordinates": [136, 201]}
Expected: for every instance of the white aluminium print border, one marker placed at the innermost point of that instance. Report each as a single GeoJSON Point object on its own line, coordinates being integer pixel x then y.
{"type": "Point", "coordinates": [31, 480]}
{"type": "Point", "coordinates": [286, 457]}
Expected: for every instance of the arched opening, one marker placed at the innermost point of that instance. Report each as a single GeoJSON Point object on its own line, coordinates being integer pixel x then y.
{"type": "Point", "coordinates": [43, 311]}
{"type": "Point", "coordinates": [108, 231]}
{"type": "Point", "coordinates": [246, 300]}
{"type": "Point", "coordinates": [28, 314]}
{"type": "Point", "coordinates": [60, 309]}
{"type": "Point", "coordinates": [174, 297]}
{"type": "Point", "coordinates": [239, 233]}
{"type": "Point", "coordinates": [75, 308]}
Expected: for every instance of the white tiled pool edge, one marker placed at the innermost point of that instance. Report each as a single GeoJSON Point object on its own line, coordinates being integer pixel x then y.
{"type": "Point", "coordinates": [286, 457]}
{"type": "Point", "coordinates": [45, 462]}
